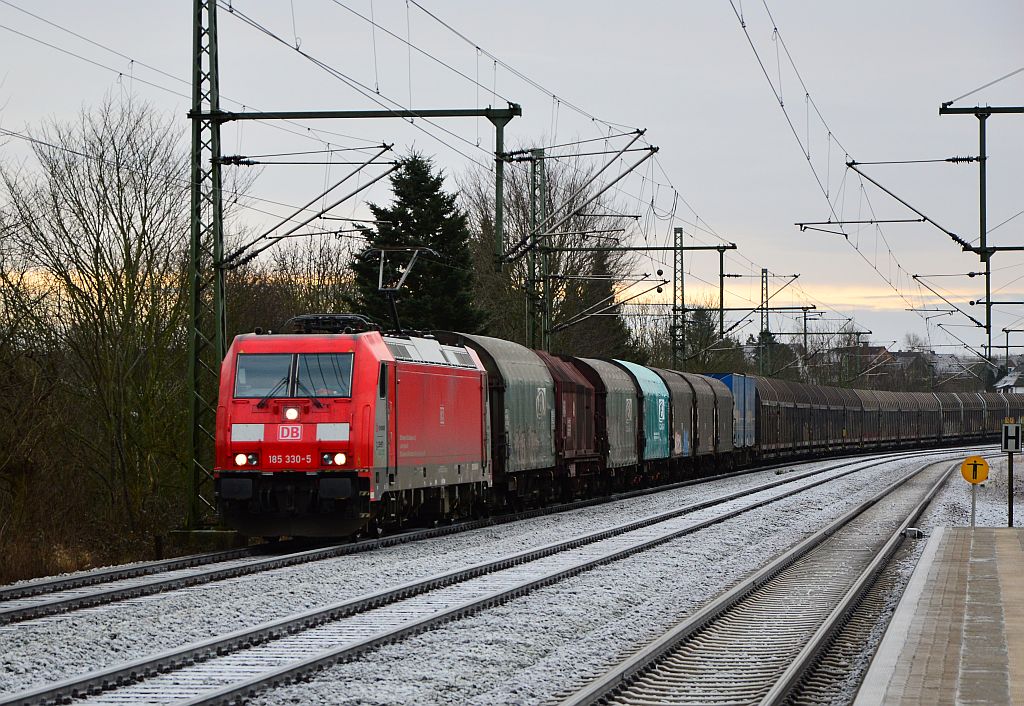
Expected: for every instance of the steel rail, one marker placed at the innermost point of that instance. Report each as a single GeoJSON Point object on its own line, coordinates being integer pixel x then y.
{"type": "Point", "coordinates": [618, 679]}
{"type": "Point", "coordinates": [63, 583]}
{"type": "Point", "coordinates": [20, 602]}
{"type": "Point", "coordinates": [128, 673]}
{"type": "Point", "coordinates": [825, 634]}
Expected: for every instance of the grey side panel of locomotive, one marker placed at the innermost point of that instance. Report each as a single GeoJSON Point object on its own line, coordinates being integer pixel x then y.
{"type": "Point", "coordinates": [381, 446]}
{"type": "Point", "coordinates": [620, 413]}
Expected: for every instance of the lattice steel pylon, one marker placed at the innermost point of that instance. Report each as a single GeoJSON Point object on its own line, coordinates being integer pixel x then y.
{"type": "Point", "coordinates": [678, 332]}
{"type": "Point", "coordinates": [765, 323]}
{"type": "Point", "coordinates": [206, 278]}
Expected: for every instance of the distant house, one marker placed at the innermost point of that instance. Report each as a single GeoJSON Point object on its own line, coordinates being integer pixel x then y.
{"type": "Point", "coordinates": [866, 355]}
{"type": "Point", "coordinates": [1012, 383]}
{"type": "Point", "coordinates": [948, 363]}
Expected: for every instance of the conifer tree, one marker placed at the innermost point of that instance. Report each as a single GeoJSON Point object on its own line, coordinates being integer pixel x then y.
{"type": "Point", "coordinates": [605, 335]}
{"type": "Point", "coordinates": [438, 291]}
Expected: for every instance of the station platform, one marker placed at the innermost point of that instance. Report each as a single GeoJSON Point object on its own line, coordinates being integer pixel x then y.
{"type": "Point", "coordinates": [957, 636]}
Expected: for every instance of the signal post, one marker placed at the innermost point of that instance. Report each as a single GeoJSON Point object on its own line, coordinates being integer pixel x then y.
{"type": "Point", "coordinates": [974, 470]}
{"type": "Point", "coordinates": [1011, 444]}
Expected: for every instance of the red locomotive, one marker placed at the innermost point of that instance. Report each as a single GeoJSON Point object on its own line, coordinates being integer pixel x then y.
{"type": "Point", "coordinates": [332, 428]}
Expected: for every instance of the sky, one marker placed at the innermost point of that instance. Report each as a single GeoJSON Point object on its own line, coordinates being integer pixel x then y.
{"type": "Point", "coordinates": [859, 81]}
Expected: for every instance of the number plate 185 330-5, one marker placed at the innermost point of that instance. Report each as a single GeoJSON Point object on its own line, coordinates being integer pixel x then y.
{"type": "Point", "coordinates": [290, 460]}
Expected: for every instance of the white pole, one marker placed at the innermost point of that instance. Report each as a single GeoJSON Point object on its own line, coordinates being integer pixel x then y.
{"type": "Point", "coordinates": [974, 501]}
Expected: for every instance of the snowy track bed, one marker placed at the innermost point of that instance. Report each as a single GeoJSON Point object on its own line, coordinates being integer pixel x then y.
{"type": "Point", "coordinates": [757, 642]}
{"type": "Point", "coordinates": [44, 598]}
{"type": "Point", "coordinates": [841, 489]}
{"type": "Point", "coordinates": [533, 648]}
{"type": "Point", "coordinates": [59, 646]}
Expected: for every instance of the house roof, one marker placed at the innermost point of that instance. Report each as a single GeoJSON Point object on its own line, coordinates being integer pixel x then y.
{"type": "Point", "coordinates": [1015, 379]}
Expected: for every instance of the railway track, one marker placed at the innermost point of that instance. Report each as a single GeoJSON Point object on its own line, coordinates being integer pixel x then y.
{"type": "Point", "coordinates": [226, 668]}
{"type": "Point", "coordinates": [62, 594]}
{"type": "Point", "coordinates": [756, 643]}
{"type": "Point", "coordinates": [54, 595]}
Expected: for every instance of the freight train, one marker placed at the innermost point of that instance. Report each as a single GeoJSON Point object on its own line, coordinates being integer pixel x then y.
{"type": "Point", "coordinates": [334, 428]}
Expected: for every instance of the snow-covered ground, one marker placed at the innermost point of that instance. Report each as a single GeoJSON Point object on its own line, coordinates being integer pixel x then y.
{"type": "Point", "coordinates": [520, 653]}
{"type": "Point", "coordinates": [56, 647]}
{"type": "Point", "coordinates": [952, 506]}
{"type": "Point", "coordinates": [533, 648]}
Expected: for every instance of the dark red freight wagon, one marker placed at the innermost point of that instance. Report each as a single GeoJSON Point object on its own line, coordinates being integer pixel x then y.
{"type": "Point", "coordinates": [575, 425]}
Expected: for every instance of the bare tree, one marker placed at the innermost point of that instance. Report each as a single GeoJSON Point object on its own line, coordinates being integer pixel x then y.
{"type": "Point", "coordinates": [706, 350]}
{"type": "Point", "coordinates": [96, 239]}
{"type": "Point", "coordinates": [580, 280]}
{"type": "Point", "coordinates": [311, 275]}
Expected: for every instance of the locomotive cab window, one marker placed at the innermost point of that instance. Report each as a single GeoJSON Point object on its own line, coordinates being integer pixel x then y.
{"type": "Point", "coordinates": [263, 375]}
{"type": "Point", "coordinates": [324, 375]}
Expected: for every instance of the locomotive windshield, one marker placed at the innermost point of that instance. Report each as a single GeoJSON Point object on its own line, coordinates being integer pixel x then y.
{"type": "Point", "coordinates": [324, 375]}
{"type": "Point", "coordinates": [272, 375]}
{"type": "Point", "coordinates": [263, 375]}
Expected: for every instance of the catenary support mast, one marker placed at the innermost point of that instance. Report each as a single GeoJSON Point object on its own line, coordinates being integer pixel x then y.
{"type": "Point", "coordinates": [983, 113]}
{"type": "Point", "coordinates": [208, 326]}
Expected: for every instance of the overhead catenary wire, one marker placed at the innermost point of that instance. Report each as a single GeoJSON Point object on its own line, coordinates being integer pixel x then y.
{"type": "Point", "coordinates": [653, 211]}
{"type": "Point", "coordinates": [411, 47]}
{"type": "Point", "coordinates": [380, 99]}
{"type": "Point", "coordinates": [329, 150]}
{"type": "Point", "coordinates": [656, 213]}
{"type": "Point", "coordinates": [295, 43]}
{"type": "Point", "coordinates": [697, 224]}
{"type": "Point", "coordinates": [184, 180]}
{"type": "Point", "coordinates": [306, 132]}
{"type": "Point", "coordinates": [983, 87]}
{"type": "Point", "coordinates": [900, 270]}
{"type": "Point", "coordinates": [518, 74]}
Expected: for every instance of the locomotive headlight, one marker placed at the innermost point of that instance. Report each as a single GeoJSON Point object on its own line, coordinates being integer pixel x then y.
{"type": "Point", "coordinates": [241, 459]}
{"type": "Point", "coordinates": [339, 459]}
{"type": "Point", "coordinates": [254, 459]}
{"type": "Point", "coordinates": [291, 414]}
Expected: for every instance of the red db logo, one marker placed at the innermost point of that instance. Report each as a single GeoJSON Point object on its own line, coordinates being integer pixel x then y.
{"type": "Point", "coordinates": [289, 432]}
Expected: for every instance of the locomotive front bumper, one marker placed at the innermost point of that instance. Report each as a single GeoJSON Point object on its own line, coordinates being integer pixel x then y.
{"type": "Point", "coordinates": [301, 504]}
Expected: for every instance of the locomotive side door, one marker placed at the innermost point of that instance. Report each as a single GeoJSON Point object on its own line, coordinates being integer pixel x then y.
{"type": "Point", "coordinates": [383, 448]}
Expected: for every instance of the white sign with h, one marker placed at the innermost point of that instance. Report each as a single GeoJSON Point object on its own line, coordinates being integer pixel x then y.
{"type": "Point", "coordinates": [1011, 438]}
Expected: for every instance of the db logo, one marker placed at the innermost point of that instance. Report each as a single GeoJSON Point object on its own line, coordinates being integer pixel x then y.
{"type": "Point", "coordinates": [289, 432]}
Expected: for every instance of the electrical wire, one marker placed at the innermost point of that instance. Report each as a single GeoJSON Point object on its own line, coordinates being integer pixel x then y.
{"type": "Point", "coordinates": [357, 86]}
{"type": "Point", "coordinates": [375, 25]}
{"type": "Point", "coordinates": [304, 132]}
{"type": "Point", "coordinates": [832, 205]}
{"type": "Point", "coordinates": [166, 177]}
{"type": "Point", "coordinates": [518, 74]}
{"type": "Point", "coordinates": [981, 88]}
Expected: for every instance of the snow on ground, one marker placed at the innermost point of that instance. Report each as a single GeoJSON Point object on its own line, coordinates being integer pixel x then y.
{"type": "Point", "coordinates": [530, 649]}
{"type": "Point", "coordinates": [950, 508]}
{"type": "Point", "coordinates": [48, 649]}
